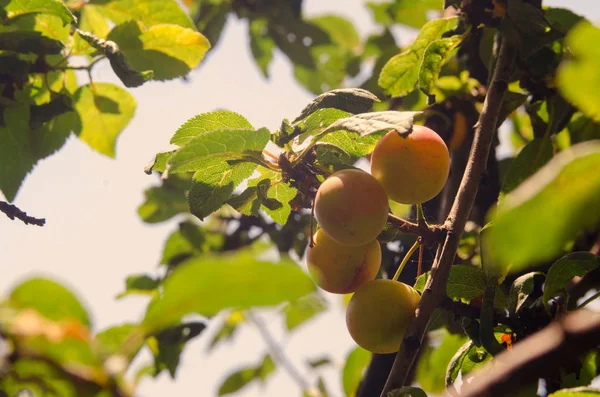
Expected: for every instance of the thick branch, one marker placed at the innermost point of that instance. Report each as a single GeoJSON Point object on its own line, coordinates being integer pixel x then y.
{"type": "Point", "coordinates": [13, 212]}
{"type": "Point", "coordinates": [536, 356]}
{"type": "Point", "coordinates": [436, 284]}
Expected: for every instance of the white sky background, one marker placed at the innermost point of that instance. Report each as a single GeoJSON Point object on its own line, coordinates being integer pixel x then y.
{"type": "Point", "coordinates": [94, 238]}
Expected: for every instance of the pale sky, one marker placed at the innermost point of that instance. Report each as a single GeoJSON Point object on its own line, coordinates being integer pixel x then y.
{"type": "Point", "coordinates": [93, 237]}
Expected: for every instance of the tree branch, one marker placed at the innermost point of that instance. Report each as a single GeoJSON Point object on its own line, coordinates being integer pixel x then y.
{"type": "Point", "coordinates": [430, 234]}
{"type": "Point", "coordinates": [13, 212]}
{"type": "Point", "coordinates": [535, 356]}
{"type": "Point", "coordinates": [455, 223]}
{"type": "Point", "coordinates": [280, 357]}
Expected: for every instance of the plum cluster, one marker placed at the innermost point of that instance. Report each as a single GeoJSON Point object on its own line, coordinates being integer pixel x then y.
{"type": "Point", "coordinates": [351, 207]}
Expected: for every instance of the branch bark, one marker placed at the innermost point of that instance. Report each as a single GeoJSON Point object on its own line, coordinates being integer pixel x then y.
{"type": "Point", "coordinates": [436, 284]}
{"type": "Point", "coordinates": [13, 212]}
{"type": "Point", "coordinates": [535, 356]}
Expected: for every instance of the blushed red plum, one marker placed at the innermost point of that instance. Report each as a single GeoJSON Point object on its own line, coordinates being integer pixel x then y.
{"type": "Point", "coordinates": [413, 167]}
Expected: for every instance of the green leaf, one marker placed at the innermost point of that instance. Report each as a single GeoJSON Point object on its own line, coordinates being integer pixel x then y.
{"type": "Point", "coordinates": [583, 129]}
{"type": "Point", "coordinates": [577, 392]}
{"type": "Point", "coordinates": [583, 375]}
{"type": "Point", "coordinates": [261, 44]}
{"type": "Point", "coordinates": [468, 358]}
{"type": "Point", "coordinates": [208, 284]}
{"type": "Point", "coordinates": [149, 12]}
{"type": "Point", "coordinates": [465, 283]}
{"type": "Point", "coordinates": [352, 144]}
{"type": "Point", "coordinates": [16, 8]}
{"type": "Point", "coordinates": [227, 330]}
{"type": "Point", "coordinates": [29, 42]}
{"type": "Point", "coordinates": [170, 343]}
{"type": "Point", "coordinates": [187, 241]}
{"type": "Point", "coordinates": [104, 111]}
{"type": "Point", "coordinates": [400, 74]}
{"type": "Point", "coordinates": [300, 311]}
{"type": "Point", "coordinates": [162, 203]}
{"type": "Point", "coordinates": [350, 100]}
{"type": "Point", "coordinates": [527, 18]}
{"type": "Point", "coordinates": [567, 187]}
{"type": "Point", "coordinates": [576, 78]}
{"type": "Point", "coordinates": [168, 50]}
{"type": "Point", "coordinates": [91, 20]}
{"type": "Point", "coordinates": [140, 284]}
{"type": "Point", "coordinates": [412, 13]}
{"type": "Point", "coordinates": [407, 391]}
{"type": "Point", "coordinates": [431, 368]}
{"type": "Point", "coordinates": [159, 164]}
{"type": "Point", "coordinates": [530, 159]}
{"type": "Point", "coordinates": [562, 19]}
{"type": "Point", "coordinates": [525, 289]}
{"type": "Point", "coordinates": [314, 124]}
{"type": "Point", "coordinates": [50, 299]}
{"type": "Point", "coordinates": [214, 183]}
{"type": "Point", "coordinates": [370, 123]}
{"type": "Point", "coordinates": [238, 379]}
{"type": "Point", "coordinates": [562, 272]}
{"type": "Point", "coordinates": [356, 362]}
{"type": "Point", "coordinates": [210, 121]}
{"type": "Point", "coordinates": [280, 193]}
{"type": "Point", "coordinates": [434, 57]}
{"type": "Point", "coordinates": [229, 143]}
{"type": "Point", "coordinates": [112, 339]}
{"type": "Point", "coordinates": [16, 155]}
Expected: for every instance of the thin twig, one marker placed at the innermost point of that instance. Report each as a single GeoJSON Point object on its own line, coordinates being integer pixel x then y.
{"type": "Point", "coordinates": [280, 357]}
{"type": "Point", "coordinates": [13, 212]}
{"type": "Point", "coordinates": [436, 284]}
{"type": "Point", "coordinates": [535, 356]}
{"type": "Point", "coordinates": [433, 233]}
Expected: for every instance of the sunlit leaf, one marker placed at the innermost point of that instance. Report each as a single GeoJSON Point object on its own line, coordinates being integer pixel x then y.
{"type": "Point", "coordinates": [210, 121]}
{"type": "Point", "coordinates": [536, 220]}
{"type": "Point", "coordinates": [50, 299]}
{"type": "Point", "coordinates": [209, 284]}
{"type": "Point", "coordinates": [162, 203]}
{"type": "Point", "coordinates": [300, 311]}
{"type": "Point", "coordinates": [15, 8]}
{"type": "Point", "coordinates": [577, 392]}
{"type": "Point", "coordinates": [104, 111]}
{"type": "Point", "coordinates": [112, 339]}
{"type": "Point", "coordinates": [562, 272]}
{"type": "Point", "coordinates": [356, 362]}
{"type": "Point", "coordinates": [351, 100]}
{"type": "Point", "coordinates": [431, 368]}
{"type": "Point", "coordinates": [149, 12]}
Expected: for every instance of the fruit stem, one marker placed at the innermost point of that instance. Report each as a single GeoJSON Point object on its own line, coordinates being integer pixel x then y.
{"type": "Point", "coordinates": [420, 263]}
{"type": "Point", "coordinates": [406, 258]}
{"type": "Point", "coordinates": [420, 217]}
{"type": "Point", "coordinates": [311, 241]}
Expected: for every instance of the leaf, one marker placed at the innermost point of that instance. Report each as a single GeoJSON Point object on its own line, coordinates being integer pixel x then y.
{"type": "Point", "coordinates": [214, 183]}
{"type": "Point", "coordinates": [168, 50]}
{"type": "Point", "coordinates": [15, 8]}
{"type": "Point", "coordinates": [238, 379]}
{"type": "Point", "coordinates": [350, 100]}
{"type": "Point", "coordinates": [434, 57]}
{"type": "Point", "coordinates": [527, 18]}
{"type": "Point", "coordinates": [169, 344]}
{"type": "Point", "coordinates": [230, 143]}
{"type": "Point", "coordinates": [112, 339]}
{"type": "Point", "coordinates": [356, 362]}
{"type": "Point", "coordinates": [282, 193]}
{"type": "Point", "coordinates": [227, 330]}
{"type": "Point", "coordinates": [431, 368]}
{"type": "Point", "coordinates": [576, 78]}
{"type": "Point", "coordinates": [187, 241]}
{"type": "Point", "coordinates": [162, 203]}
{"type": "Point", "coordinates": [300, 311]}
{"type": "Point", "coordinates": [50, 299]}
{"type": "Point", "coordinates": [140, 284]}
{"type": "Point", "coordinates": [210, 121]}
{"type": "Point", "coordinates": [369, 123]}
{"type": "Point", "coordinates": [407, 391]}
{"type": "Point", "coordinates": [261, 44]}
{"type": "Point", "coordinates": [562, 272]}
{"type": "Point", "coordinates": [562, 19]}
{"type": "Point", "coordinates": [29, 42]}
{"type": "Point", "coordinates": [208, 284]}
{"type": "Point", "coordinates": [400, 74]}
{"type": "Point", "coordinates": [104, 111]}
{"type": "Point", "coordinates": [91, 20]}
{"type": "Point", "coordinates": [149, 12]}
{"type": "Point", "coordinates": [468, 358]}
{"type": "Point", "coordinates": [314, 124]}
{"type": "Point", "coordinates": [16, 156]}
{"type": "Point", "coordinates": [583, 129]}
{"type": "Point", "coordinates": [577, 392]}
{"type": "Point", "coordinates": [582, 372]}
{"type": "Point", "coordinates": [465, 283]}
{"type": "Point", "coordinates": [159, 164]}
{"type": "Point", "coordinates": [530, 159]}
{"type": "Point", "coordinates": [412, 13]}
{"type": "Point", "coordinates": [526, 289]}
{"type": "Point", "coordinates": [567, 187]}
